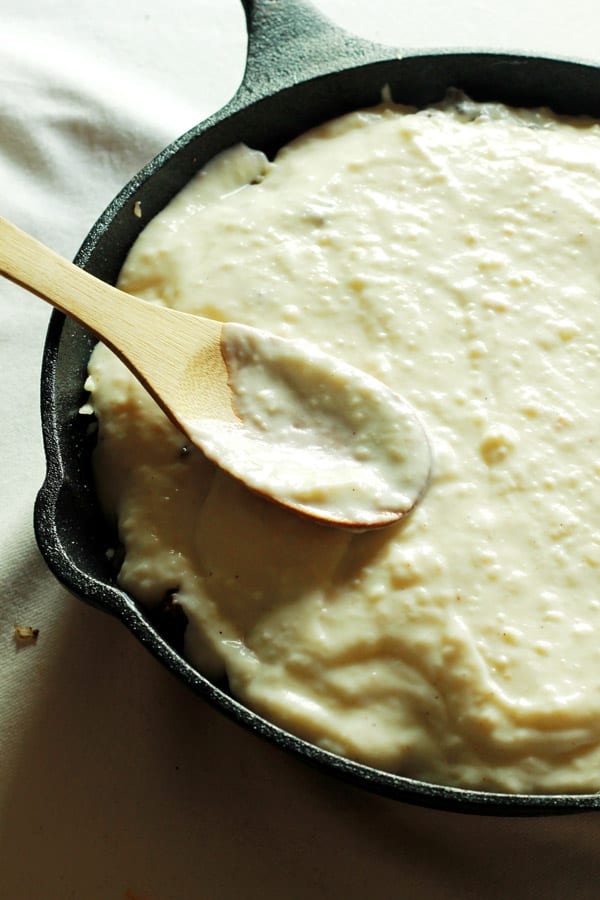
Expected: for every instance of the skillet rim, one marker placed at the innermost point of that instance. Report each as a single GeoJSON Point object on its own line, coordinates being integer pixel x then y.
{"type": "Point", "coordinates": [60, 501]}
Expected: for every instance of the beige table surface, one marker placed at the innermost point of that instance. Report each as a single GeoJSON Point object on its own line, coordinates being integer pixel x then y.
{"type": "Point", "coordinates": [115, 782]}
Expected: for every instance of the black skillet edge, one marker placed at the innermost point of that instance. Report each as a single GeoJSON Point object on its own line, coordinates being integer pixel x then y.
{"type": "Point", "coordinates": [288, 42]}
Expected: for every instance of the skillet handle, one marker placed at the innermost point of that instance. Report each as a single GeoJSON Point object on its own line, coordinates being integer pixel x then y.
{"type": "Point", "coordinates": [290, 41]}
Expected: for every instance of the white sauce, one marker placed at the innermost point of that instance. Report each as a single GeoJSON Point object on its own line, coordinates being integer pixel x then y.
{"type": "Point", "coordinates": [452, 254]}
{"type": "Point", "coordinates": [315, 433]}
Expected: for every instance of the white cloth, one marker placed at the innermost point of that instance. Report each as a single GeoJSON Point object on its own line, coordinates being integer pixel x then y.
{"type": "Point", "coordinates": [116, 783]}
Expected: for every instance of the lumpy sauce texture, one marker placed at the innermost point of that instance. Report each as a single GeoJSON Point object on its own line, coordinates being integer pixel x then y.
{"type": "Point", "coordinates": [453, 254]}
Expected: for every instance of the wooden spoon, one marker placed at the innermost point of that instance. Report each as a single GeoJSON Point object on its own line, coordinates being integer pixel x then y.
{"type": "Point", "coordinates": [201, 373]}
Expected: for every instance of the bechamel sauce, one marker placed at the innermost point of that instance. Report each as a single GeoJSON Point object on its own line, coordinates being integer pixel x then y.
{"type": "Point", "coordinates": [453, 254]}
{"type": "Point", "coordinates": [315, 433]}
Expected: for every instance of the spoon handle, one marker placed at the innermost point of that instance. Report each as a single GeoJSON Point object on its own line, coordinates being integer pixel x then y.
{"type": "Point", "coordinates": [166, 349]}
{"type": "Point", "coordinates": [67, 287]}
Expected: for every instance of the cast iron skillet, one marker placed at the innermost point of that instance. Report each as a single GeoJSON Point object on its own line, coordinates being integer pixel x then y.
{"type": "Point", "coordinates": [301, 70]}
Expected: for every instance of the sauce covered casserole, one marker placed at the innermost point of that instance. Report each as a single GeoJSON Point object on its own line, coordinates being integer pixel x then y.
{"type": "Point", "coordinates": [452, 254]}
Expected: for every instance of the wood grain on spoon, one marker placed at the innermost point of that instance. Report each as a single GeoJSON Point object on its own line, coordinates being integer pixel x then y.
{"type": "Point", "coordinates": [176, 356]}
{"type": "Point", "coordinates": [210, 378]}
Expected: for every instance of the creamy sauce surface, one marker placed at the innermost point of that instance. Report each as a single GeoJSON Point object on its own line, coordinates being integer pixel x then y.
{"type": "Point", "coordinates": [451, 253]}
